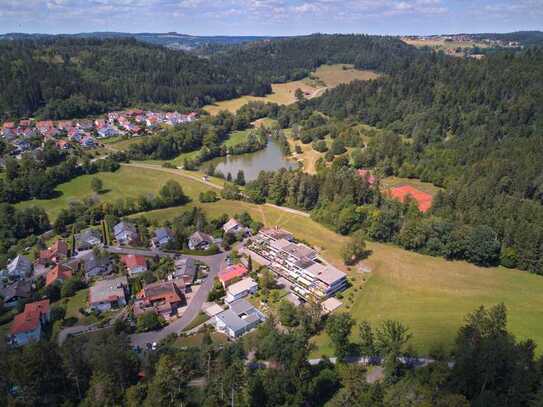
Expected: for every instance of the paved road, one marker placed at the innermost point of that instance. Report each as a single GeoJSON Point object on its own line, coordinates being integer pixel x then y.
{"type": "Point", "coordinates": [215, 264]}
{"type": "Point", "coordinates": [81, 329]}
{"type": "Point", "coordinates": [139, 252]}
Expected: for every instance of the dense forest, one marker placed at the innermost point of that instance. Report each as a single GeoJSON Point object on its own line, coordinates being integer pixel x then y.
{"type": "Point", "coordinates": [63, 77]}
{"type": "Point", "coordinates": [294, 58]}
{"type": "Point", "coordinates": [492, 368]}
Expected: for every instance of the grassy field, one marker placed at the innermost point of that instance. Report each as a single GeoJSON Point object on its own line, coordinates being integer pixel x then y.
{"type": "Point", "coordinates": [120, 143]}
{"type": "Point", "coordinates": [326, 76]}
{"type": "Point", "coordinates": [237, 137]}
{"type": "Point", "coordinates": [282, 93]}
{"type": "Point", "coordinates": [124, 183]}
{"type": "Point", "coordinates": [449, 47]}
{"type": "Point", "coordinates": [431, 296]}
{"type": "Point", "coordinates": [391, 182]}
{"type": "Point", "coordinates": [335, 75]}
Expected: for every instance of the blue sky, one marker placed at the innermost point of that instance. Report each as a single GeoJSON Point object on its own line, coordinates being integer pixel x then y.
{"type": "Point", "coordinates": [271, 17]}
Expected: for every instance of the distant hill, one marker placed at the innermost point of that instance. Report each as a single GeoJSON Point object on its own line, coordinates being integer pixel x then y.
{"type": "Point", "coordinates": [525, 38]}
{"type": "Point", "coordinates": [74, 76]}
{"type": "Point", "coordinates": [170, 40]}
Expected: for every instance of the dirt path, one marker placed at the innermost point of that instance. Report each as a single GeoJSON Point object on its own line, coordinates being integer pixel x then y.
{"type": "Point", "coordinates": [172, 171]}
{"type": "Point", "coordinates": [200, 179]}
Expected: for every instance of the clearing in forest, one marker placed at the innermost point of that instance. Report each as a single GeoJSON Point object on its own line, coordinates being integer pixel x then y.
{"type": "Point", "coordinates": [324, 77]}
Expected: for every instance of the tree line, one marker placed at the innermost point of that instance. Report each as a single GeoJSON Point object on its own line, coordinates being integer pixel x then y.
{"type": "Point", "coordinates": [490, 367]}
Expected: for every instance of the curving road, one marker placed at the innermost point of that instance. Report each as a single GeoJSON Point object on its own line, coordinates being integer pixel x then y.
{"type": "Point", "coordinates": [215, 264]}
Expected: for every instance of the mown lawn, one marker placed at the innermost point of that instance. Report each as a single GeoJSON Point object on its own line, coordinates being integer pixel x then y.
{"type": "Point", "coordinates": [73, 304]}
{"type": "Point", "coordinates": [237, 137]}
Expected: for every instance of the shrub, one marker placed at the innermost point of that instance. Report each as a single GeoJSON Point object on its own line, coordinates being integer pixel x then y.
{"type": "Point", "coordinates": [149, 321]}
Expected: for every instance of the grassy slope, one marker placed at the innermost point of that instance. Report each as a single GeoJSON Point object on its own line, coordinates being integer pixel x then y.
{"type": "Point", "coordinates": [335, 75]}
{"type": "Point", "coordinates": [126, 182]}
{"type": "Point", "coordinates": [429, 294]}
{"type": "Point", "coordinates": [308, 156]}
{"type": "Point", "coordinates": [237, 137]}
{"type": "Point", "coordinates": [283, 93]}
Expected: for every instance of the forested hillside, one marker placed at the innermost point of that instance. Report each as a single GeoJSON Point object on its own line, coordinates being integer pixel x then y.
{"type": "Point", "coordinates": [474, 127]}
{"type": "Point", "coordinates": [76, 77]}
{"type": "Point", "coordinates": [64, 77]}
{"type": "Point", "coordinates": [294, 58]}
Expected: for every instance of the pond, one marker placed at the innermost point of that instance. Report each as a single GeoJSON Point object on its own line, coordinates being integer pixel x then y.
{"type": "Point", "coordinates": [269, 159]}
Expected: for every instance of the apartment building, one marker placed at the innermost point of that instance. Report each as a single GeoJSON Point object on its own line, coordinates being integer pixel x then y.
{"type": "Point", "coordinates": [298, 264]}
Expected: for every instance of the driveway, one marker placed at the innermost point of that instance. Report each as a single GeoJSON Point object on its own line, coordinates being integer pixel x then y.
{"type": "Point", "coordinates": [215, 264]}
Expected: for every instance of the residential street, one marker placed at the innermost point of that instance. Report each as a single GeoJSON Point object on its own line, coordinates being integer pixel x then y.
{"type": "Point", "coordinates": [138, 252]}
{"type": "Point", "coordinates": [215, 264]}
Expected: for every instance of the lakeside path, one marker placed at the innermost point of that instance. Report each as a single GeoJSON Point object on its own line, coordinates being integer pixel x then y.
{"type": "Point", "coordinates": [208, 183]}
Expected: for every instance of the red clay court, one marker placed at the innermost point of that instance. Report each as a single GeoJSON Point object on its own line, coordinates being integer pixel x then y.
{"type": "Point", "coordinates": [423, 199]}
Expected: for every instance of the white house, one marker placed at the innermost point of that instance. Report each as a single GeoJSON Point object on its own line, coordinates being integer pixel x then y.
{"type": "Point", "coordinates": [19, 267]}
{"type": "Point", "coordinates": [125, 233]}
{"type": "Point", "coordinates": [240, 290]}
{"type": "Point", "coordinates": [240, 318]}
{"type": "Point", "coordinates": [232, 226]}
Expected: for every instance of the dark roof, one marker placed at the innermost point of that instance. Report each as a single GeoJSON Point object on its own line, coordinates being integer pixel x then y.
{"type": "Point", "coordinates": [19, 289]}
{"type": "Point", "coordinates": [88, 235]}
{"type": "Point", "coordinates": [163, 233]}
{"type": "Point", "coordinates": [200, 237]}
{"type": "Point", "coordinates": [124, 227]}
{"type": "Point", "coordinates": [241, 307]}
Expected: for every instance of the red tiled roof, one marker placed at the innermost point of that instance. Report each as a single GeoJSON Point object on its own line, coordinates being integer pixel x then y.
{"type": "Point", "coordinates": [62, 143]}
{"type": "Point", "coordinates": [29, 319]}
{"type": "Point", "coordinates": [58, 248]}
{"type": "Point", "coordinates": [424, 200]}
{"type": "Point", "coordinates": [231, 272]}
{"type": "Point", "coordinates": [132, 260]}
{"type": "Point", "coordinates": [57, 273]}
{"type": "Point", "coordinates": [42, 306]}
{"type": "Point", "coordinates": [367, 175]}
{"type": "Point", "coordinates": [166, 292]}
